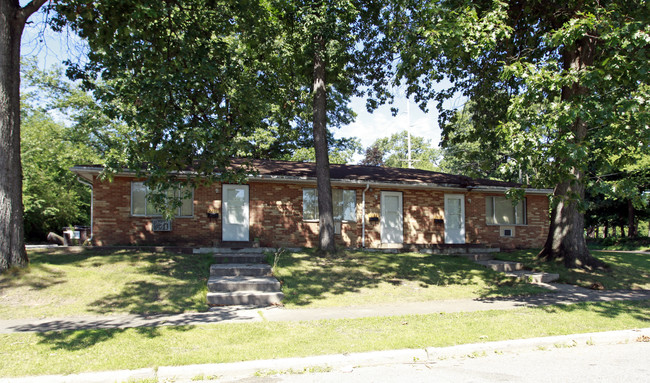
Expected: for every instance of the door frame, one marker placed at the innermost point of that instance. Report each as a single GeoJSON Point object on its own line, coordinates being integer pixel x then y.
{"type": "Point", "coordinates": [224, 212]}
{"type": "Point", "coordinates": [448, 238]}
{"type": "Point", "coordinates": [401, 217]}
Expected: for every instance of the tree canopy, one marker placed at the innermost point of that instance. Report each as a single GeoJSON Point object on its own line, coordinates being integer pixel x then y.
{"type": "Point", "coordinates": [393, 151]}
{"type": "Point", "coordinates": [52, 197]}
{"type": "Point", "coordinates": [203, 81]}
{"type": "Point", "coordinates": [559, 84]}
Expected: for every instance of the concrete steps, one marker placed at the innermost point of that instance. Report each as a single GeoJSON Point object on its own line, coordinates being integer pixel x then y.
{"type": "Point", "coordinates": [534, 277]}
{"type": "Point", "coordinates": [511, 269]}
{"type": "Point", "coordinates": [239, 258]}
{"type": "Point", "coordinates": [237, 269]}
{"type": "Point", "coordinates": [245, 298]}
{"type": "Point", "coordinates": [243, 283]}
{"type": "Point", "coordinates": [502, 266]}
{"type": "Point", "coordinates": [241, 278]}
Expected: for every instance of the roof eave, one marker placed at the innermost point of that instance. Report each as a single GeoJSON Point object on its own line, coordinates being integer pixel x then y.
{"type": "Point", "coordinates": [87, 173]}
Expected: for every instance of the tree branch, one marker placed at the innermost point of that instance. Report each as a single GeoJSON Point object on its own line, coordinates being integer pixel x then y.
{"type": "Point", "coordinates": [29, 9]}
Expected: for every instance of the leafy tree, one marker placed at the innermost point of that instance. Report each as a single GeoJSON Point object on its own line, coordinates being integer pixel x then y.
{"type": "Point", "coordinates": [618, 197]}
{"type": "Point", "coordinates": [342, 153]}
{"type": "Point", "coordinates": [394, 152]}
{"type": "Point", "coordinates": [465, 152]}
{"type": "Point", "coordinates": [203, 81]}
{"type": "Point", "coordinates": [12, 242]}
{"type": "Point", "coordinates": [52, 197]}
{"type": "Point", "coordinates": [373, 156]}
{"type": "Point", "coordinates": [561, 84]}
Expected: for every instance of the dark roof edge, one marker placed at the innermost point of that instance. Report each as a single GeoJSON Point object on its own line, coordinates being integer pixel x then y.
{"type": "Point", "coordinates": [85, 171]}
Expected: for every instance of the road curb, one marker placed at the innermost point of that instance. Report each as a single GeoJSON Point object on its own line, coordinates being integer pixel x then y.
{"type": "Point", "coordinates": [343, 362]}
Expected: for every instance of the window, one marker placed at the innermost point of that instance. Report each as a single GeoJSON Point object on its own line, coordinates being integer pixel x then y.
{"type": "Point", "coordinates": [500, 211]}
{"type": "Point", "coordinates": [344, 204]}
{"type": "Point", "coordinates": [140, 206]}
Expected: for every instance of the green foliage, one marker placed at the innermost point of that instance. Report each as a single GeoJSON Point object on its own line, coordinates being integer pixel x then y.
{"type": "Point", "coordinates": [342, 154]}
{"type": "Point", "coordinates": [464, 152]}
{"type": "Point", "coordinates": [512, 60]}
{"type": "Point", "coordinates": [198, 83]}
{"type": "Point", "coordinates": [394, 152]}
{"type": "Point", "coordinates": [52, 196]}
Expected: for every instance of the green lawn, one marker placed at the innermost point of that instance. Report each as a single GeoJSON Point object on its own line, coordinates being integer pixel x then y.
{"type": "Point", "coordinates": [59, 283]}
{"type": "Point", "coordinates": [95, 350]}
{"type": "Point", "coordinates": [360, 278]}
{"type": "Point", "coordinates": [627, 270]}
{"type": "Point", "coordinates": [98, 282]}
{"type": "Point", "coordinates": [626, 244]}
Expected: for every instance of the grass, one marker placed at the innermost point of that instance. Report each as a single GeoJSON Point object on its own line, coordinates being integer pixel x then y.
{"type": "Point", "coordinates": [69, 352]}
{"type": "Point", "coordinates": [59, 283]}
{"type": "Point", "coordinates": [626, 244]}
{"type": "Point", "coordinates": [363, 278]}
{"type": "Point", "coordinates": [627, 270]}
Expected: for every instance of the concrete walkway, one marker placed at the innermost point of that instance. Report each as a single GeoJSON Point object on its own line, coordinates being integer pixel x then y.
{"type": "Point", "coordinates": [563, 294]}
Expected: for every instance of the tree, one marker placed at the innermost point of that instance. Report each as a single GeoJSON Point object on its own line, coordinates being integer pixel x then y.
{"type": "Point", "coordinates": [465, 152]}
{"type": "Point", "coordinates": [373, 156]}
{"type": "Point", "coordinates": [340, 153]}
{"type": "Point", "coordinates": [52, 197]}
{"type": "Point", "coordinates": [12, 242]}
{"type": "Point", "coordinates": [394, 152]}
{"type": "Point", "coordinates": [561, 84]}
{"type": "Point", "coordinates": [203, 81]}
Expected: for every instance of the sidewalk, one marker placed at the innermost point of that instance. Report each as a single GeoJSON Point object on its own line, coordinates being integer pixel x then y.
{"type": "Point", "coordinates": [563, 294]}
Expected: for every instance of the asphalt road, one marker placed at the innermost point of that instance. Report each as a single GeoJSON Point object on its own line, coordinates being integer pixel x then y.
{"type": "Point", "coordinates": [599, 363]}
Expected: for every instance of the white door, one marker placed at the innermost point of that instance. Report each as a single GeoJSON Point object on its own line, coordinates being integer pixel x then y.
{"type": "Point", "coordinates": [454, 218]}
{"type": "Point", "coordinates": [392, 227]}
{"type": "Point", "coordinates": [235, 213]}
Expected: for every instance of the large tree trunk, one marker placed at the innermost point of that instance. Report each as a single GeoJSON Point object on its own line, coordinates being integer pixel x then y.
{"type": "Point", "coordinates": [631, 220]}
{"type": "Point", "coordinates": [566, 240]}
{"type": "Point", "coordinates": [12, 238]}
{"type": "Point", "coordinates": [325, 211]}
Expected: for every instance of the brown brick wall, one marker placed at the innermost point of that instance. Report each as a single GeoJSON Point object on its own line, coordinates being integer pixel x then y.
{"type": "Point", "coordinates": [276, 218]}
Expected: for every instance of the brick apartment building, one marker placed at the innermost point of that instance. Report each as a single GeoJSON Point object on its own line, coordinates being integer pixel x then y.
{"type": "Point", "coordinates": [374, 207]}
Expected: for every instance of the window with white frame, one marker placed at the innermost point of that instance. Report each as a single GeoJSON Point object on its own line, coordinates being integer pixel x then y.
{"type": "Point", "coordinates": [501, 211]}
{"type": "Point", "coordinates": [142, 207]}
{"type": "Point", "coordinates": [344, 204]}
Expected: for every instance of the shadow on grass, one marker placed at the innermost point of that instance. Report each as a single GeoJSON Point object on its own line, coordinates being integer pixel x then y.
{"type": "Point", "coordinates": [182, 276]}
{"type": "Point", "coordinates": [153, 282]}
{"type": "Point", "coordinates": [307, 277]}
{"type": "Point", "coordinates": [75, 340]}
{"type": "Point", "coordinates": [627, 270]}
{"type": "Point", "coordinates": [639, 310]}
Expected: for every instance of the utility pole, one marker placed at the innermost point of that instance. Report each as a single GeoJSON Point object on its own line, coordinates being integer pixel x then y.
{"type": "Point", "coordinates": [408, 131]}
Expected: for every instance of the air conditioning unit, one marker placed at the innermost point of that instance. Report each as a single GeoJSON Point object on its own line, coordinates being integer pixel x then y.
{"type": "Point", "coordinates": [507, 231]}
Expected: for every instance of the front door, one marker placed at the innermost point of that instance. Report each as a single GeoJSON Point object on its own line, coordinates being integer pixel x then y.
{"type": "Point", "coordinates": [392, 227]}
{"type": "Point", "coordinates": [235, 213]}
{"type": "Point", "coordinates": [454, 218]}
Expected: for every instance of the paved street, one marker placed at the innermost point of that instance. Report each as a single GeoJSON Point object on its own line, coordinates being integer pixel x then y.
{"type": "Point", "coordinates": [599, 363]}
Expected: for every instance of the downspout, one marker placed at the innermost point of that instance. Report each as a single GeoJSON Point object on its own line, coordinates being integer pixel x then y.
{"type": "Point", "coordinates": [83, 181]}
{"type": "Point", "coordinates": [363, 218]}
